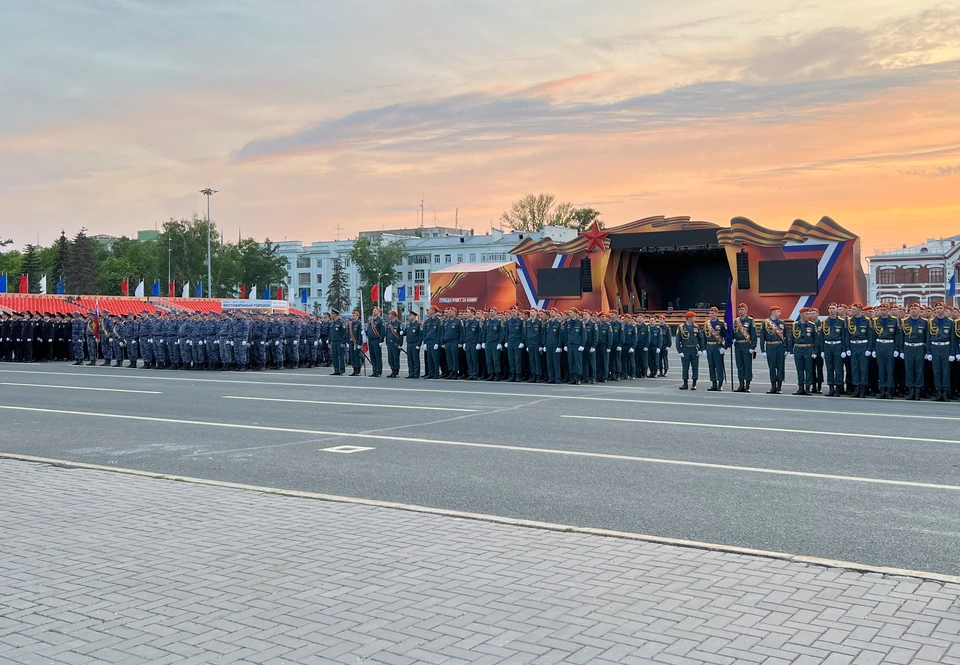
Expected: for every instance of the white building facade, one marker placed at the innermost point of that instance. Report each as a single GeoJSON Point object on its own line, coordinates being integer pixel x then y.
{"type": "Point", "coordinates": [921, 274]}
{"type": "Point", "coordinates": [310, 267]}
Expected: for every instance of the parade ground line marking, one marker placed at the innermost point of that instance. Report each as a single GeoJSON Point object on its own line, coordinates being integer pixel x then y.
{"type": "Point", "coordinates": [373, 406]}
{"type": "Point", "coordinates": [497, 519]}
{"type": "Point", "coordinates": [497, 446]}
{"type": "Point", "coordinates": [677, 423]}
{"type": "Point", "coordinates": [106, 390]}
{"type": "Point", "coordinates": [581, 397]}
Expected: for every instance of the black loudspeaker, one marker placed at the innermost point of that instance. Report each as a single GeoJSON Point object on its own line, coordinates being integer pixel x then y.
{"type": "Point", "coordinates": [743, 270]}
{"type": "Point", "coordinates": [586, 276]}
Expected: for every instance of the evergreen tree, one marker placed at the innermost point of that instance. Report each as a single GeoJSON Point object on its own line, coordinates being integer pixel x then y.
{"type": "Point", "coordinates": [81, 268]}
{"type": "Point", "coordinates": [60, 248]}
{"type": "Point", "coordinates": [30, 266]}
{"type": "Point", "coordinates": [338, 291]}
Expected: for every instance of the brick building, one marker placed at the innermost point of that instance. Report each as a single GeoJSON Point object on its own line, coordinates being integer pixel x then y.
{"type": "Point", "coordinates": [921, 273]}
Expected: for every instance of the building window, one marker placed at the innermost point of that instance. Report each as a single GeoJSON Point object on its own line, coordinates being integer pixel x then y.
{"type": "Point", "coordinates": [319, 293]}
{"type": "Point", "coordinates": [319, 278]}
{"type": "Point", "coordinates": [911, 300]}
{"type": "Point", "coordinates": [446, 258]}
{"type": "Point", "coordinates": [305, 290]}
{"type": "Point", "coordinates": [346, 263]}
{"type": "Point", "coordinates": [303, 278]}
{"type": "Point", "coordinates": [409, 275]}
{"type": "Point", "coordinates": [493, 257]}
{"type": "Point", "coordinates": [420, 259]}
{"type": "Point", "coordinates": [911, 275]}
{"type": "Point", "coordinates": [936, 275]}
{"type": "Point", "coordinates": [459, 258]}
{"type": "Point", "coordinates": [288, 280]}
{"type": "Point", "coordinates": [418, 274]}
{"type": "Point", "coordinates": [319, 263]}
{"type": "Point", "coordinates": [303, 261]}
{"type": "Point", "coordinates": [886, 276]}
{"type": "Point", "coordinates": [436, 258]}
{"type": "Point", "coordinates": [473, 258]}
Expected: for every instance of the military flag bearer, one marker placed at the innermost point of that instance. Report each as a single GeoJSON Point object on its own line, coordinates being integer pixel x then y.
{"type": "Point", "coordinates": [715, 334]}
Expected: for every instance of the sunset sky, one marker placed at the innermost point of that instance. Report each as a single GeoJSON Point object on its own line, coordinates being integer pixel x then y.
{"type": "Point", "coordinates": [306, 114]}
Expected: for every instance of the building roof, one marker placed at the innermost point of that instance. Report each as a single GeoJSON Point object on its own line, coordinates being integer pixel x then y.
{"type": "Point", "coordinates": [474, 267]}
{"type": "Point", "coordinates": [933, 247]}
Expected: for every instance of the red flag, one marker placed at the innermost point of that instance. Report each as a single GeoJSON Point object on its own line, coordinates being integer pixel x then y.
{"type": "Point", "coordinates": [24, 284]}
{"type": "Point", "coordinates": [171, 289]}
{"type": "Point", "coordinates": [243, 291]}
{"type": "Point", "coordinates": [125, 287]}
{"type": "Point", "coordinates": [375, 293]}
{"type": "Point", "coordinates": [416, 292]}
{"type": "Point", "coordinates": [279, 293]}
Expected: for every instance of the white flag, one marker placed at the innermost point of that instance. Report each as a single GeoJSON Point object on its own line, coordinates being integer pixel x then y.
{"type": "Point", "coordinates": [139, 292]}
{"type": "Point", "coordinates": [186, 290]}
{"type": "Point", "coordinates": [43, 284]}
{"type": "Point", "coordinates": [253, 292]}
{"type": "Point", "coordinates": [388, 294]}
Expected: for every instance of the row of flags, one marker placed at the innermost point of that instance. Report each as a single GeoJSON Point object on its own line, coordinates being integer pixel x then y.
{"type": "Point", "coordinates": [140, 289]}
{"type": "Point", "coordinates": [401, 293]}
{"type": "Point", "coordinates": [24, 286]}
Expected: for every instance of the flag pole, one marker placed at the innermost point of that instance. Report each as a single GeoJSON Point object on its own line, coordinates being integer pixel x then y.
{"type": "Point", "coordinates": [363, 356]}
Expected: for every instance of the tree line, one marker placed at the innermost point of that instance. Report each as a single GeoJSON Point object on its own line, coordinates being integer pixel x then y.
{"type": "Point", "coordinates": [88, 266]}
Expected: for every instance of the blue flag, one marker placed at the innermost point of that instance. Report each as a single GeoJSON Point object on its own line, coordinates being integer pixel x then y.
{"type": "Point", "coordinates": [266, 293]}
{"type": "Point", "coordinates": [303, 296]}
{"type": "Point", "coordinates": [402, 294]}
{"type": "Point", "coordinates": [199, 292]}
{"type": "Point", "coordinates": [155, 291]}
{"type": "Point", "coordinates": [953, 285]}
{"type": "Point", "coordinates": [62, 286]}
{"type": "Point", "coordinates": [728, 315]}
{"type": "Point", "coordinates": [3, 283]}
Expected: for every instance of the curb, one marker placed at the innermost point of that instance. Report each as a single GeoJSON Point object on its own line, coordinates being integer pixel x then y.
{"type": "Point", "coordinates": [510, 521]}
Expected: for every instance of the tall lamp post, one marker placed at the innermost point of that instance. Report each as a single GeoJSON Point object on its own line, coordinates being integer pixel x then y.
{"type": "Point", "coordinates": [208, 193]}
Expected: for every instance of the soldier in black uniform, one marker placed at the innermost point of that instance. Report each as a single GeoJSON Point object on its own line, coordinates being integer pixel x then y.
{"type": "Point", "coordinates": [394, 335]}
{"type": "Point", "coordinates": [858, 340]}
{"type": "Point", "coordinates": [888, 341]}
{"type": "Point", "coordinates": [690, 345]}
{"type": "Point", "coordinates": [831, 349]}
{"type": "Point", "coordinates": [413, 332]}
{"type": "Point", "coordinates": [715, 334]}
{"type": "Point", "coordinates": [915, 331]}
{"type": "Point", "coordinates": [802, 347]}
{"type": "Point", "coordinates": [744, 347]}
{"type": "Point", "coordinates": [941, 346]}
{"type": "Point", "coordinates": [773, 339]}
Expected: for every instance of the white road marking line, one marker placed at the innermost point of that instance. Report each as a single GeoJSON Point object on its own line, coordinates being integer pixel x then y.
{"type": "Point", "coordinates": [496, 446]}
{"type": "Point", "coordinates": [372, 406]}
{"type": "Point", "coordinates": [580, 397]}
{"type": "Point", "coordinates": [106, 390]}
{"type": "Point", "coordinates": [855, 435]}
{"type": "Point", "coordinates": [346, 450]}
{"type": "Point", "coordinates": [497, 519]}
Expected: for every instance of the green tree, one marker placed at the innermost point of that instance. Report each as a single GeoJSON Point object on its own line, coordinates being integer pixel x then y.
{"type": "Point", "coordinates": [60, 250]}
{"type": "Point", "coordinates": [10, 266]}
{"type": "Point", "coordinates": [377, 264]}
{"type": "Point", "coordinates": [534, 211]}
{"type": "Point", "coordinates": [81, 269]}
{"type": "Point", "coordinates": [31, 267]}
{"type": "Point", "coordinates": [260, 263]}
{"type": "Point", "coordinates": [338, 291]}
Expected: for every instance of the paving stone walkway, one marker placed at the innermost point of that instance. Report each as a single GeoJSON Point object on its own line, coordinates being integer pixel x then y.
{"type": "Point", "coordinates": [98, 567]}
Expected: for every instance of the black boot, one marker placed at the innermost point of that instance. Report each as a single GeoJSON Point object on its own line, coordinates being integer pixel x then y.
{"type": "Point", "coordinates": [694, 386]}
{"type": "Point", "coordinates": [800, 391]}
{"type": "Point", "coordinates": [741, 388]}
{"type": "Point", "coordinates": [713, 387]}
{"type": "Point", "coordinates": [684, 386]}
{"type": "Point", "coordinates": [773, 388]}
{"type": "Point", "coordinates": [79, 362]}
{"type": "Point", "coordinates": [747, 389]}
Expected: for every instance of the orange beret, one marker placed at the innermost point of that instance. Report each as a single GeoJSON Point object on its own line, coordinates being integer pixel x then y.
{"type": "Point", "coordinates": [691, 315]}
{"type": "Point", "coordinates": [493, 309]}
{"type": "Point", "coordinates": [773, 307]}
{"type": "Point", "coordinates": [743, 304]}
{"type": "Point", "coordinates": [395, 312]}
{"type": "Point", "coordinates": [804, 310]}
{"type": "Point", "coordinates": [833, 304]}
{"type": "Point", "coordinates": [454, 310]}
{"type": "Point", "coordinates": [884, 304]}
{"type": "Point", "coordinates": [939, 304]}
{"type": "Point", "coordinates": [858, 305]}
{"type": "Point", "coordinates": [554, 309]}
{"type": "Point", "coordinates": [714, 309]}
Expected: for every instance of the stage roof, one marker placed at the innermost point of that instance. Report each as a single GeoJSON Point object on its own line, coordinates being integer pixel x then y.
{"type": "Point", "coordinates": [473, 267]}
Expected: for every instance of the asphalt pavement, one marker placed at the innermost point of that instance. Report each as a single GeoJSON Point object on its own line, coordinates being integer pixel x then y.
{"type": "Point", "coordinates": [868, 481]}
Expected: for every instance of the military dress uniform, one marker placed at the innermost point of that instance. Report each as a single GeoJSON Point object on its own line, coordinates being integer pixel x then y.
{"type": "Point", "coordinates": [513, 342]}
{"type": "Point", "coordinates": [858, 341]}
{"type": "Point", "coordinates": [394, 335]}
{"type": "Point", "coordinates": [653, 353]}
{"type": "Point", "coordinates": [941, 346]}
{"type": "Point", "coordinates": [413, 332]}
{"type": "Point", "coordinates": [666, 343]}
{"type": "Point", "coordinates": [830, 346]}
{"type": "Point", "coordinates": [452, 336]}
{"type": "Point", "coordinates": [375, 334]}
{"type": "Point", "coordinates": [888, 341]}
{"type": "Point", "coordinates": [604, 339]}
{"type": "Point", "coordinates": [690, 344]}
{"type": "Point", "coordinates": [715, 334]}
{"type": "Point", "coordinates": [914, 348]}
{"type": "Point", "coordinates": [339, 334]}
{"type": "Point", "coordinates": [616, 348]}
{"type": "Point", "coordinates": [553, 343]}
{"type": "Point", "coordinates": [492, 343]}
{"type": "Point", "coordinates": [533, 339]}
{"type": "Point", "coordinates": [773, 340]}
{"type": "Point", "coordinates": [744, 350]}
{"type": "Point", "coordinates": [431, 345]}
{"type": "Point", "coordinates": [573, 344]}
{"type": "Point", "coordinates": [628, 340]}
{"type": "Point", "coordinates": [802, 346]}
{"type": "Point", "coordinates": [643, 349]}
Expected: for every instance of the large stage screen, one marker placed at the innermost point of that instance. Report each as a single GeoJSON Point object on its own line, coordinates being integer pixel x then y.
{"type": "Point", "coordinates": [690, 238]}
{"type": "Point", "coordinates": [558, 283]}
{"type": "Point", "coordinates": [789, 276]}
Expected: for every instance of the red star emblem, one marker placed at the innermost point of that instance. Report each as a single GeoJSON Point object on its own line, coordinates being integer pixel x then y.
{"type": "Point", "coordinates": [595, 237]}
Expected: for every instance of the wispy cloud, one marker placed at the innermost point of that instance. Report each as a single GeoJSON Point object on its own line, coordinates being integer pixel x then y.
{"type": "Point", "coordinates": [462, 122]}
{"type": "Point", "coordinates": [939, 172]}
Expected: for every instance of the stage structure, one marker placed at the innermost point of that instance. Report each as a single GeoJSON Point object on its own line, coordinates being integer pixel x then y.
{"type": "Point", "coordinates": [660, 263]}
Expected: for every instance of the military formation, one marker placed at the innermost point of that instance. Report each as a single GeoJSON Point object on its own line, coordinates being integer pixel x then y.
{"type": "Point", "coordinates": [885, 351]}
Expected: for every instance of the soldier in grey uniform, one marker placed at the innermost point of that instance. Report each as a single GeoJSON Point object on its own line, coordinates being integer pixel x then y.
{"type": "Point", "coordinates": [240, 340]}
{"type": "Point", "coordinates": [131, 337]}
{"type": "Point", "coordinates": [145, 338]}
{"type": "Point", "coordinates": [338, 342]}
{"type": "Point", "coordinates": [225, 342]}
{"type": "Point", "coordinates": [77, 334]}
{"type": "Point", "coordinates": [107, 327]}
{"type": "Point", "coordinates": [171, 327]}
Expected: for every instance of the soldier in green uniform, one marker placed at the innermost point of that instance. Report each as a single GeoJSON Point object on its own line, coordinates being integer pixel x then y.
{"type": "Point", "coordinates": [801, 345]}
{"type": "Point", "coordinates": [941, 347]}
{"type": "Point", "coordinates": [830, 348]}
{"type": "Point", "coordinates": [666, 343]}
{"type": "Point", "coordinates": [616, 346]}
{"type": "Point", "coordinates": [473, 343]}
{"type": "Point", "coordinates": [628, 340]}
{"type": "Point", "coordinates": [653, 353]}
{"type": "Point", "coordinates": [818, 362]}
{"type": "Point", "coordinates": [394, 338]}
{"type": "Point", "coordinates": [887, 341]}
{"type": "Point", "coordinates": [773, 339]}
{"type": "Point", "coordinates": [553, 343]}
{"type": "Point", "coordinates": [589, 358]}
{"type": "Point", "coordinates": [690, 343]}
{"type": "Point", "coordinates": [715, 334]}
{"type": "Point", "coordinates": [533, 339]}
{"type": "Point", "coordinates": [604, 337]}
{"type": "Point", "coordinates": [338, 341]}
{"type": "Point", "coordinates": [573, 345]}
{"type": "Point", "coordinates": [744, 347]}
{"type": "Point", "coordinates": [858, 340]}
{"type": "Point", "coordinates": [915, 331]}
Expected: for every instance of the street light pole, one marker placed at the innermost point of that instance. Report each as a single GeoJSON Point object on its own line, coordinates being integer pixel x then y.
{"type": "Point", "coordinates": [208, 193]}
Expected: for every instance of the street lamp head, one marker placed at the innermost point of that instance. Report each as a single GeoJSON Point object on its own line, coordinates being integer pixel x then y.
{"type": "Point", "coordinates": [208, 191]}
